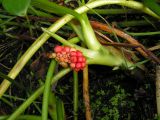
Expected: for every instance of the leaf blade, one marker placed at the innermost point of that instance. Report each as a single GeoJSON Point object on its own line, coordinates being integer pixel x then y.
{"type": "Point", "coordinates": [16, 7]}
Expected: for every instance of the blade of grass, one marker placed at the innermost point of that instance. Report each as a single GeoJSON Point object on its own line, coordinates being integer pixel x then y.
{"type": "Point", "coordinates": [47, 90]}
{"type": "Point", "coordinates": [75, 95]}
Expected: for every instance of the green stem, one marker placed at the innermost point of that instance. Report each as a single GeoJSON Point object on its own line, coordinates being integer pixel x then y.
{"type": "Point", "coordinates": [75, 94]}
{"type": "Point", "coordinates": [74, 40]}
{"type": "Point", "coordinates": [57, 25]}
{"type": "Point", "coordinates": [86, 52]}
{"type": "Point", "coordinates": [89, 36]}
{"type": "Point", "coordinates": [47, 90]}
{"type": "Point", "coordinates": [36, 94]}
{"type": "Point", "coordinates": [139, 6]}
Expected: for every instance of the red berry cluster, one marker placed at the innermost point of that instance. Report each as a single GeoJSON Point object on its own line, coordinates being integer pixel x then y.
{"type": "Point", "coordinates": [73, 57]}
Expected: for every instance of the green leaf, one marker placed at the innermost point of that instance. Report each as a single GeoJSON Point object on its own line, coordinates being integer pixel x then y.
{"type": "Point", "coordinates": [16, 7]}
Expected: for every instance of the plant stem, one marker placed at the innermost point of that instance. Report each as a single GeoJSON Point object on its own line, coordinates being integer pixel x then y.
{"type": "Point", "coordinates": [86, 52]}
{"type": "Point", "coordinates": [47, 90]}
{"type": "Point", "coordinates": [36, 94]}
{"type": "Point", "coordinates": [139, 6]}
{"type": "Point", "coordinates": [88, 33]}
{"type": "Point", "coordinates": [57, 25]}
{"type": "Point", "coordinates": [75, 94]}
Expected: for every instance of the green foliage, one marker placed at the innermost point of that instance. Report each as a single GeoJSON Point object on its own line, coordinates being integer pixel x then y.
{"type": "Point", "coordinates": [16, 7]}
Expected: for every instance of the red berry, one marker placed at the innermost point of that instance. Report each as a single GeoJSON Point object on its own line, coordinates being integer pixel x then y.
{"type": "Point", "coordinates": [79, 53]}
{"type": "Point", "coordinates": [67, 49]}
{"type": "Point", "coordinates": [80, 59]}
{"type": "Point", "coordinates": [63, 52]}
{"type": "Point", "coordinates": [73, 59]}
{"type": "Point", "coordinates": [58, 49]}
{"type": "Point", "coordinates": [78, 65]}
{"type": "Point", "coordinates": [73, 53]}
{"type": "Point", "coordinates": [83, 65]}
